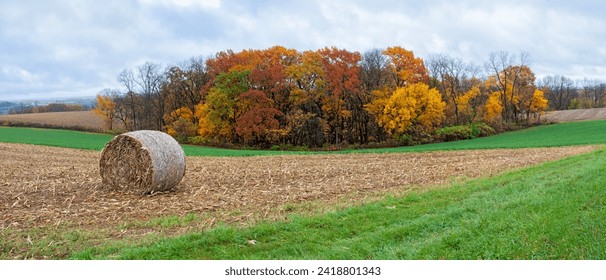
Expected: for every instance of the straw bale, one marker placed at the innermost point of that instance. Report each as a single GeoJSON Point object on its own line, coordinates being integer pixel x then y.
{"type": "Point", "coordinates": [143, 161]}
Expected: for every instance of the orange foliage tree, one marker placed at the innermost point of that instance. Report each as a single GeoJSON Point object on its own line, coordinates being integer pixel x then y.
{"type": "Point", "coordinates": [258, 118]}
{"type": "Point", "coordinates": [330, 96]}
{"type": "Point", "coordinates": [406, 69]}
{"type": "Point", "coordinates": [342, 89]}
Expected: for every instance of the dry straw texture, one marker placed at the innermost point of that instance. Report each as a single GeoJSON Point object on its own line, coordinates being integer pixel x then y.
{"type": "Point", "coordinates": [143, 161]}
{"type": "Point", "coordinates": [225, 190]}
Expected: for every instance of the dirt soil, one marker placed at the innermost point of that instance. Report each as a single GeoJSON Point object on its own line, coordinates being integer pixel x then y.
{"type": "Point", "coordinates": [47, 186]}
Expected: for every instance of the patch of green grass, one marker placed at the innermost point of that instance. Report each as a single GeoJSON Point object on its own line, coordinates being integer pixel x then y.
{"type": "Point", "coordinates": [162, 222]}
{"type": "Point", "coordinates": [564, 134]}
{"type": "Point", "coordinates": [96, 141]}
{"type": "Point", "coordinates": [555, 135]}
{"type": "Point", "coordinates": [191, 150]}
{"type": "Point", "coordinates": [44, 243]}
{"type": "Point", "coordinates": [555, 210]}
{"type": "Point", "coordinates": [54, 137]}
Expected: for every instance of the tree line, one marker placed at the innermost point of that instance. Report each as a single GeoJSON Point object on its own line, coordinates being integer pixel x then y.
{"type": "Point", "coordinates": [48, 108]}
{"type": "Point", "coordinates": [281, 96]}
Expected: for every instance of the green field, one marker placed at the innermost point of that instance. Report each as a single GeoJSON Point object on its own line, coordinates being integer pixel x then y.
{"type": "Point", "coordinates": [555, 135]}
{"type": "Point", "coordinates": [96, 141]}
{"type": "Point", "coordinates": [552, 211]}
{"type": "Point", "coordinates": [563, 134]}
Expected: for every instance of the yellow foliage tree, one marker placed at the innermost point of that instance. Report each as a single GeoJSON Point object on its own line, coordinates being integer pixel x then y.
{"type": "Point", "coordinates": [465, 103]}
{"type": "Point", "coordinates": [408, 108]}
{"type": "Point", "coordinates": [215, 121]}
{"type": "Point", "coordinates": [106, 108]}
{"type": "Point", "coordinates": [493, 109]}
{"type": "Point", "coordinates": [180, 123]}
{"type": "Point", "coordinates": [515, 86]}
{"type": "Point", "coordinates": [537, 105]}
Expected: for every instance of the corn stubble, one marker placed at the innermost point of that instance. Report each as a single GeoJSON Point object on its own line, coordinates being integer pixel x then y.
{"type": "Point", "coordinates": [50, 187]}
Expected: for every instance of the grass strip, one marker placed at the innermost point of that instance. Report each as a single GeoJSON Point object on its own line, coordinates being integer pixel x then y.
{"type": "Point", "coordinates": [564, 134]}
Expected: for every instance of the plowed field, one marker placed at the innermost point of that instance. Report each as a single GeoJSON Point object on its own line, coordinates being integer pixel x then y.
{"type": "Point", "coordinates": [47, 186]}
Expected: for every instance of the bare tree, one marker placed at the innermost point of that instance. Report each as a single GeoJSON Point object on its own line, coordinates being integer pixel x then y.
{"type": "Point", "coordinates": [560, 91]}
{"type": "Point", "coordinates": [143, 99]}
{"type": "Point", "coordinates": [506, 69]}
{"type": "Point", "coordinates": [373, 66]}
{"type": "Point", "coordinates": [186, 84]}
{"type": "Point", "coordinates": [594, 91]}
{"type": "Point", "coordinates": [130, 101]}
{"type": "Point", "coordinates": [451, 75]}
{"type": "Point", "coordinates": [149, 80]}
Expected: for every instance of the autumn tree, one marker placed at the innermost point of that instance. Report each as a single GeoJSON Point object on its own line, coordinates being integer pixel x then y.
{"type": "Point", "coordinates": [493, 110]}
{"type": "Point", "coordinates": [342, 94]}
{"type": "Point", "coordinates": [471, 103]}
{"type": "Point", "coordinates": [105, 107]}
{"type": "Point", "coordinates": [269, 76]}
{"type": "Point", "coordinates": [405, 68]}
{"type": "Point", "coordinates": [217, 116]}
{"type": "Point", "coordinates": [410, 109]}
{"type": "Point", "coordinates": [505, 73]}
{"type": "Point", "coordinates": [181, 123]}
{"type": "Point", "coordinates": [536, 105]}
{"type": "Point", "coordinates": [258, 119]}
{"type": "Point", "coordinates": [515, 86]}
{"type": "Point", "coordinates": [451, 76]}
{"type": "Point", "coordinates": [527, 99]}
{"type": "Point", "coordinates": [305, 121]}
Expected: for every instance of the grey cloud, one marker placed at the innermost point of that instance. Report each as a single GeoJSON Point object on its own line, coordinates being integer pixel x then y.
{"type": "Point", "coordinates": [78, 47]}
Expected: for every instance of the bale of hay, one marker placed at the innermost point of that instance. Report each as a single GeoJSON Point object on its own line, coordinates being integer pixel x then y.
{"type": "Point", "coordinates": [143, 161]}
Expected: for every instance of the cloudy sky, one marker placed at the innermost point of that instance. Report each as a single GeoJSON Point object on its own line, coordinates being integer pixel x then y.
{"type": "Point", "coordinates": [66, 48]}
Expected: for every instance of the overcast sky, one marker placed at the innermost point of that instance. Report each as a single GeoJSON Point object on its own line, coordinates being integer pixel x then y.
{"type": "Point", "coordinates": [67, 48]}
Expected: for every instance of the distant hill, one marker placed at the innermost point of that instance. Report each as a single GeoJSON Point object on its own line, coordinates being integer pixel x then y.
{"type": "Point", "coordinates": [575, 115]}
{"type": "Point", "coordinates": [7, 106]}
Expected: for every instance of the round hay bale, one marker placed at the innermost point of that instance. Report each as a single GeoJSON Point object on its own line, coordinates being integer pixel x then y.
{"type": "Point", "coordinates": [143, 161]}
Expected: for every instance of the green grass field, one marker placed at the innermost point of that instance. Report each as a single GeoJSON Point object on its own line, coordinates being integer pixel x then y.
{"type": "Point", "coordinates": [552, 211]}
{"type": "Point", "coordinates": [564, 134]}
{"type": "Point", "coordinates": [96, 141]}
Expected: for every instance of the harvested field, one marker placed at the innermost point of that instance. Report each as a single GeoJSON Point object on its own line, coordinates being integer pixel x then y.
{"type": "Point", "coordinates": [576, 115]}
{"type": "Point", "coordinates": [78, 120]}
{"type": "Point", "coordinates": [47, 186]}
